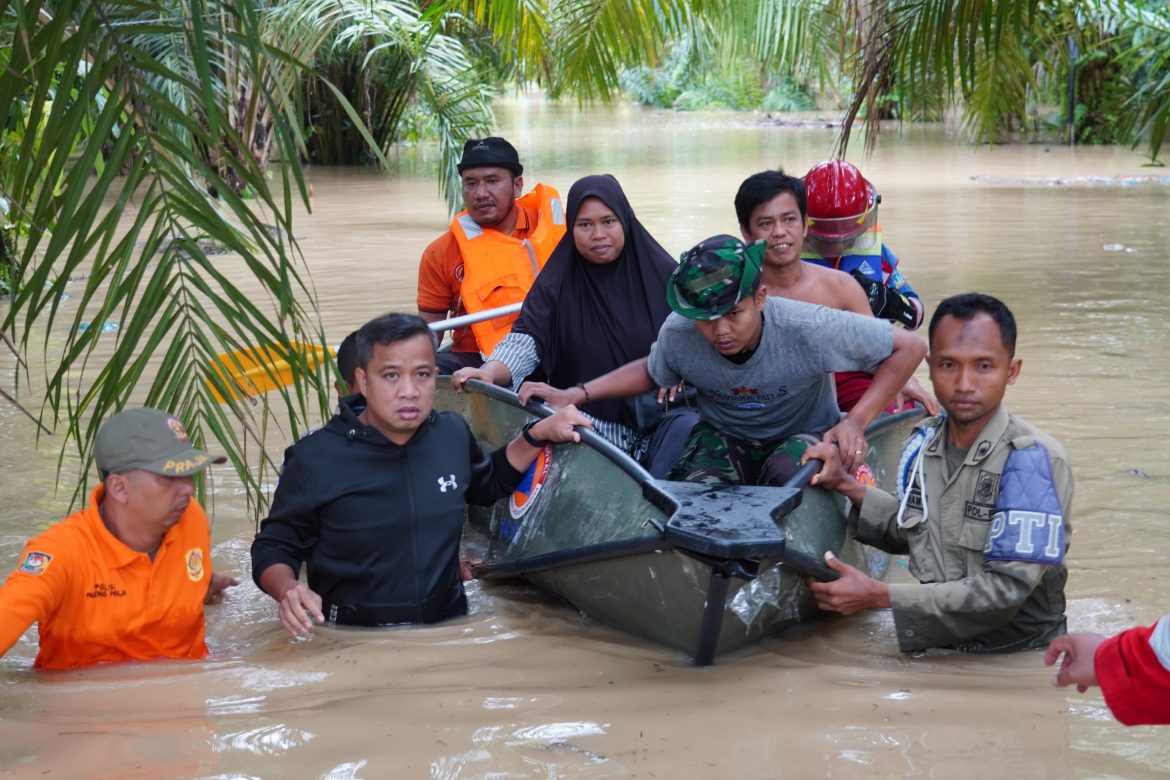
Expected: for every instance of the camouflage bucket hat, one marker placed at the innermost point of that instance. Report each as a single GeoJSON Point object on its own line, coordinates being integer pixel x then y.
{"type": "Point", "coordinates": [713, 276]}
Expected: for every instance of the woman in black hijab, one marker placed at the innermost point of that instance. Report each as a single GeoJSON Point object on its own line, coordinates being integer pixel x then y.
{"type": "Point", "coordinates": [597, 305]}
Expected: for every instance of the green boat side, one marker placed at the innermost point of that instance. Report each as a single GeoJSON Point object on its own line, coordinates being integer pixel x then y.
{"type": "Point", "coordinates": [700, 570]}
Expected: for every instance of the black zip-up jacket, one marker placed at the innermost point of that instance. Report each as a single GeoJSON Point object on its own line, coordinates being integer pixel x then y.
{"type": "Point", "coordinates": [379, 524]}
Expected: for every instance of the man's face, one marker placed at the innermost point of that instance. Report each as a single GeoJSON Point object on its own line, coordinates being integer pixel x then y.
{"type": "Point", "coordinates": [155, 499]}
{"type": "Point", "coordinates": [489, 194]}
{"type": "Point", "coordinates": [399, 386]}
{"type": "Point", "coordinates": [737, 330]}
{"type": "Point", "coordinates": [777, 222]}
{"type": "Point", "coordinates": [970, 368]}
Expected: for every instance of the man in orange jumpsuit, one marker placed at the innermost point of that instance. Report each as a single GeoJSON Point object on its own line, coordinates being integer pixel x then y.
{"type": "Point", "coordinates": [127, 576]}
{"type": "Point", "coordinates": [492, 252]}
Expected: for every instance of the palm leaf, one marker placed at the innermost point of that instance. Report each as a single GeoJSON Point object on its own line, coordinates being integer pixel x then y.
{"type": "Point", "coordinates": [143, 95]}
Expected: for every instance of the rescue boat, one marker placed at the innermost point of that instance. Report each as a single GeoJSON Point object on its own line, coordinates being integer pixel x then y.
{"type": "Point", "coordinates": [703, 570]}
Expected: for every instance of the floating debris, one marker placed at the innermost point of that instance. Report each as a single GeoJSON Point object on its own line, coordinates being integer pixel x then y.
{"type": "Point", "coordinates": [109, 326]}
{"type": "Point", "coordinates": [1138, 473]}
{"type": "Point", "coordinates": [1119, 248]}
{"type": "Point", "coordinates": [1073, 181]}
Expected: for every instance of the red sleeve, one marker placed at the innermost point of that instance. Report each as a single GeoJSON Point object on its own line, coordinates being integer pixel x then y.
{"type": "Point", "coordinates": [1133, 669]}
{"type": "Point", "coordinates": [438, 289]}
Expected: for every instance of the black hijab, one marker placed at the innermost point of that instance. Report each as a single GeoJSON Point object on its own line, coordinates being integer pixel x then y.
{"type": "Point", "coordinates": [588, 319]}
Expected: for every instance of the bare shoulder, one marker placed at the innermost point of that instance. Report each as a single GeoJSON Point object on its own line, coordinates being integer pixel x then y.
{"type": "Point", "coordinates": [835, 289]}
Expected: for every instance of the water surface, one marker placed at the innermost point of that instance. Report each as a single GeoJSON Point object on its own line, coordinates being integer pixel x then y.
{"type": "Point", "coordinates": [526, 688]}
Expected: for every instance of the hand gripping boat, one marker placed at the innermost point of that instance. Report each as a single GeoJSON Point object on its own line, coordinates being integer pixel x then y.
{"type": "Point", "coordinates": [697, 568]}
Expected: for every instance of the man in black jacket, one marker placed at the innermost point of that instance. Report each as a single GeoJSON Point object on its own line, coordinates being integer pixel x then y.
{"type": "Point", "coordinates": [374, 501]}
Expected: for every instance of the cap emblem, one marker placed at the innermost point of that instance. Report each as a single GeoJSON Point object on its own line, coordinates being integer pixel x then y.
{"type": "Point", "coordinates": [177, 427]}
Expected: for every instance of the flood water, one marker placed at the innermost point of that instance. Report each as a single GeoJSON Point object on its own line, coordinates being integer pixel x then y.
{"type": "Point", "coordinates": [525, 687]}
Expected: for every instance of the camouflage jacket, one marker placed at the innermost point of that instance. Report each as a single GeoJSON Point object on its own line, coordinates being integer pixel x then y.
{"type": "Point", "coordinates": [969, 597]}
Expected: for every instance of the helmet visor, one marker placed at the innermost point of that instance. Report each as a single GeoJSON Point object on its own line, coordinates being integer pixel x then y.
{"type": "Point", "coordinates": [843, 228]}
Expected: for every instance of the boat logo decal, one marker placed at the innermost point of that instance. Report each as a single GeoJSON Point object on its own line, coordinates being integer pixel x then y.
{"type": "Point", "coordinates": [525, 494]}
{"type": "Point", "coordinates": [865, 475]}
{"type": "Point", "coordinates": [449, 482]}
{"type": "Point", "coordinates": [36, 562]}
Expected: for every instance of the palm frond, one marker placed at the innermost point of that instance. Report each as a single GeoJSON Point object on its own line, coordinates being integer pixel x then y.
{"type": "Point", "coordinates": [144, 99]}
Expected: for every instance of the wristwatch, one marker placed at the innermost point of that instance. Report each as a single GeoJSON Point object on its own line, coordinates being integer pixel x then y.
{"type": "Point", "coordinates": [526, 432]}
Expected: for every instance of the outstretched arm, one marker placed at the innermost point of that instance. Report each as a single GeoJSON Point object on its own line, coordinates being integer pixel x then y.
{"type": "Point", "coordinates": [890, 377]}
{"type": "Point", "coordinates": [1075, 652]}
{"type": "Point", "coordinates": [560, 427]}
{"type": "Point", "coordinates": [1132, 668]}
{"type": "Point", "coordinates": [493, 372]}
{"type": "Point", "coordinates": [631, 379]}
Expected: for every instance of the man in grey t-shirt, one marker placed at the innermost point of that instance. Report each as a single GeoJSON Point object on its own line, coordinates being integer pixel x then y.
{"type": "Point", "coordinates": [762, 367]}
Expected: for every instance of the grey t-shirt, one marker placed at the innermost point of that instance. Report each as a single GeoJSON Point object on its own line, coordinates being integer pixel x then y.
{"type": "Point", "coordinates": [786, 387]}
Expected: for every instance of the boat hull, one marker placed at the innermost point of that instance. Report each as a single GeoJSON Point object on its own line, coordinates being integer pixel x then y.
{"type": "Point", "coordinates": [592, 527]}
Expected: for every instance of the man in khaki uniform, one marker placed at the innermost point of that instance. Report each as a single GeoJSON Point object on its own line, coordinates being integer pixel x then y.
{"type": "Point", "coordinates": [982, 505]}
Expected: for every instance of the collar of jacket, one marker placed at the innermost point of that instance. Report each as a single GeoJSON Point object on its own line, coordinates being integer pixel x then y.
{"type": "Point", "coordinates": [347, 423]}
{"type": "Point", "coordinates": [984, 443]}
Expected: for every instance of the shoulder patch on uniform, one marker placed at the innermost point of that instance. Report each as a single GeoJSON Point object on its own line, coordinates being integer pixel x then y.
{"type": "Point", "coordinates": [1028, 524]}
{"type": "Point", "coordinates": [35, 563]}
{"type": "Point", "coordinates": [195, 564]}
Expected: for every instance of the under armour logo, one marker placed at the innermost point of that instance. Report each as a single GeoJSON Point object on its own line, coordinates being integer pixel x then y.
{"type": "Point", "coordinates": [447, 483]}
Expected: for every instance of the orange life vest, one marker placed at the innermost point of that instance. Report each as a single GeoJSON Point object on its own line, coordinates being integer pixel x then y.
{"type": "Point", "coordinates": [499, 269]}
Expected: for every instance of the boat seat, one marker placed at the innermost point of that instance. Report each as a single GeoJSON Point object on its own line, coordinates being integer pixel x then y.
{"type": "Point", "coordinates": [724, 521]}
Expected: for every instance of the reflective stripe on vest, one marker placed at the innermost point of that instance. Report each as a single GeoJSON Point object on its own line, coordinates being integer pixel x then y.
{"type": "Point", "coordinates": [499, 269]}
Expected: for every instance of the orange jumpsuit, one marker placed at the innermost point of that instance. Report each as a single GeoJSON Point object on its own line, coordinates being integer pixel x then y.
{"type": "Point", "coordinates": [96, 600]}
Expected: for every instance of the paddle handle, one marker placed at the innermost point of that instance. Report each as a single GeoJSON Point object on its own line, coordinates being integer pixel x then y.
{"type": "Point", "coordinates": [471, 319]}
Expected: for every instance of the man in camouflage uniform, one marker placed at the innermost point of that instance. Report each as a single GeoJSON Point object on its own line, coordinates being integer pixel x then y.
{"type": "Point", "coordinates": [762, 367]}
{"type": "Point", "coordinates": [982, 505]}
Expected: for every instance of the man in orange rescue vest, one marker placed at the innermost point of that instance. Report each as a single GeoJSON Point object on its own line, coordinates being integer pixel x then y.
{"type": "Point", "coordinates": [126, 577]}
{"type": "Point", "coordinates": [492, 252]}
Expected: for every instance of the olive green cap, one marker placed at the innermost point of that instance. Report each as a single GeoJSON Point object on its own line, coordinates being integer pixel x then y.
{"type": "Point", "coordinates": [714, 276]}
{"type": "Point", "coordinates": [151, 440]}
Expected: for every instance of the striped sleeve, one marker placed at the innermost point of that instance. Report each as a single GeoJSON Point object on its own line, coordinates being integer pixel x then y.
{"type": "Point", "coordinates": [518, 352]}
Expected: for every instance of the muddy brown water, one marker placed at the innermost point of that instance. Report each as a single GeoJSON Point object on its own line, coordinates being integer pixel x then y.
{"type": "Point", "coordinates": [525, 687]}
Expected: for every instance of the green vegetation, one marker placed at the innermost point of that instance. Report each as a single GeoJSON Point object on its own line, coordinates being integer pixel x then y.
{"type": "Point", "coordinates": [124, 118]}
{"type": "Point", "coordinates": [1087, 71]}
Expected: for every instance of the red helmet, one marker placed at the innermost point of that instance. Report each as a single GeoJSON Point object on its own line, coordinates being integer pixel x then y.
{"type": "Point", "coordinates": [842, 205]}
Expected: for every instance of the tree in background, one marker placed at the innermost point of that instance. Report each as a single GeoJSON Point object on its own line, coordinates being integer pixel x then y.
{"type": "Point", "coordinates": [1099, 69]}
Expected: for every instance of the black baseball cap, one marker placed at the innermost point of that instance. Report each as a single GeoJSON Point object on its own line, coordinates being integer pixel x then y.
{"type": "Point", "coordinates": [490, 152]}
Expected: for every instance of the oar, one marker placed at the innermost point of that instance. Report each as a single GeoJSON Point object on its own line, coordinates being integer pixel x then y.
{"type": "Point", "coordinates": [254, 370]}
